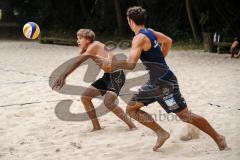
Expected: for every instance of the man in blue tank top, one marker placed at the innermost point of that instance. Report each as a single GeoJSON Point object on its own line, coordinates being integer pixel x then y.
{"type": "Point", "coordinates": [162, 86]}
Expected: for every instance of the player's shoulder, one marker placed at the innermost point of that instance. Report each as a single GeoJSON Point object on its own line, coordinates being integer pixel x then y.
{"type": "Point", "coordinates": [139, 39]}
{"type": "Point", "coordinates": [94, 45]}
{"type": "Point", "coordinates": [154, 31]}
{"type": "Point", "coordinates": [150, 29]}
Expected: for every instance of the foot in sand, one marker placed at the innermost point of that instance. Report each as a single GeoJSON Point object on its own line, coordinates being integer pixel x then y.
{"type": "Point", "coordinates": [162, 137]}
{"type": "Point", "coordinates": [189, 132]}
{"type": "Point", "coordinates": [132, 128]}
{"type": "Point", "coordinates": [97, 129]}
{"type": "Point", "coordinates": [222, 144]}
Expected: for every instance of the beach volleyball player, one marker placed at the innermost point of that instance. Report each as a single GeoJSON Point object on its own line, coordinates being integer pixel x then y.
{"type": "Point", "coordinates": [109, 85]}
{"type": "Point", "coordinates": [162, 86]}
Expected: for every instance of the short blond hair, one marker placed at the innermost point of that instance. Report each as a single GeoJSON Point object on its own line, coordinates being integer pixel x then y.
{"type": "Point", "coordinates": [86, 33]}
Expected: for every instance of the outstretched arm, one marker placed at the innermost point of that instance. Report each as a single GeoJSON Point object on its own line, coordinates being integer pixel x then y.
{"type": "Point", "coordinates": [166, 42]}
{"type": "Point", "coordinates": [69, 69]}
{"type": "Point", "coordinates": [135, 53]}
{"type": "Point", "coordinates": [76, 63]}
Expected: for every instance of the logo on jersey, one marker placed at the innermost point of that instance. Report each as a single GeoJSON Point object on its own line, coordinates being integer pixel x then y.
{"type": "Point", "coordinates": [155, 44]}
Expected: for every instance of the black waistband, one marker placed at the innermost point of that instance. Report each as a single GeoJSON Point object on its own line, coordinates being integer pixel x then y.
{"type": "Point", "coordinates": [114, 72]}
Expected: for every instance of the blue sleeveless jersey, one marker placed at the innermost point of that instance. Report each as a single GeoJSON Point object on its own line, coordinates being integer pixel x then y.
{"type": "Point", "coordinates": [153, 59]}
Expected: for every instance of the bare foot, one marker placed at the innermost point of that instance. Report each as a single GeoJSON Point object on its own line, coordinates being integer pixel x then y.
{"type": "Point", "coordinates": [96, 129]}
{"type": "Point", "coordinates": [133, 128]}
{"type": "Point", "coordinates": [222, 144]}
{"type": "Point", "coordinates": [189, 132]}
{"type": "Point", "coordinates": [162, 137]}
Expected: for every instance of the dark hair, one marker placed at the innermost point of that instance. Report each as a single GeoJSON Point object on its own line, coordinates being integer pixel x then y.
{"type": "Point", "coordinates": [137, 14]}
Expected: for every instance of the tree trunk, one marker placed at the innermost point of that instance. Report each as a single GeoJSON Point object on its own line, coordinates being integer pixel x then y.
{"type": "Point", "coordinates": [118, 16]}
{"type": "Point", "coordinates": [191, 20]}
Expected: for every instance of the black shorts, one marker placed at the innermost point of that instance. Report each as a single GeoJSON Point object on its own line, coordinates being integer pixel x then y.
{"type": "Point", "coordinates": [164, 90]}
{"type": "Point", "coordinates": [110, 82]}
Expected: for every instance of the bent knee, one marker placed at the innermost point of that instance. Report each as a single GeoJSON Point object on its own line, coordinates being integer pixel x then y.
{"type": "Point", "coordinates": [86, 99]}
{"type": "Point", "coordinates": [130, 110]}
{"type": "Point", "coordinates": [186, 117]}
{"type": "Point", "coordinates": [109, 104]}
{"type": "Point", "coordinates": [133, 107]}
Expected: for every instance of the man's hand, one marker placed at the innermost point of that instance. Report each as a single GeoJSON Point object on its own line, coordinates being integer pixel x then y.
{"type": "Point", "coordinates": [69, 69]}
{"type": "Point", "coordinates": [130, 63]}
{"type": "Point", "coordinates": [59, 82]}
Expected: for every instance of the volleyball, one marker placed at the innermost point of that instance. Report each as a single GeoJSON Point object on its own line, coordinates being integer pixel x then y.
{"type": "Point", "coordinates": [31, 30]}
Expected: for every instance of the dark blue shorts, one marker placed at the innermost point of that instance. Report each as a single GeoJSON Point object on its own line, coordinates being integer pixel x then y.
{"type": "Point", "coordinates": [164, 90]}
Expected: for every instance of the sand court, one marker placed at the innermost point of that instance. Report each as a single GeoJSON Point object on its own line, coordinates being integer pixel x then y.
{"type": "Point", "coordinates": [30, 128]}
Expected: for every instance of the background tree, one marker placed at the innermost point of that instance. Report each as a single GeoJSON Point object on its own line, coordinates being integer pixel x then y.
{"type": "Point", "coordinates": [191, 20]}
{"type": "Point", "coordinates": [181, 20]}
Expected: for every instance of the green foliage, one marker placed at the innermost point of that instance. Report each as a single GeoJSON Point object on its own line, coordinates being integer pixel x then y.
{"type": "Point", "coordinates": [66, 17]}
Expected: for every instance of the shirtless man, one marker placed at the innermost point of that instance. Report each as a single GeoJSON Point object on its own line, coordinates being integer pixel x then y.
{"type": "Point", "coordinates": [234, 50]}
{"type": "Point", "coordinates": [109, 85]}
{"type": "Point", "coordinates": [162, 86]}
